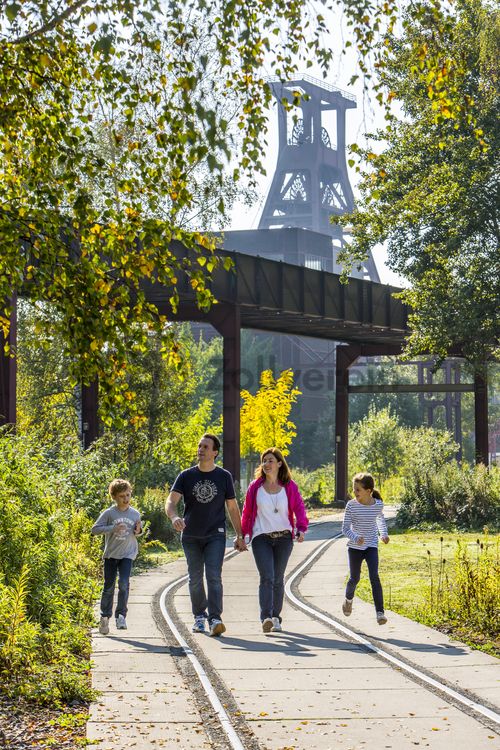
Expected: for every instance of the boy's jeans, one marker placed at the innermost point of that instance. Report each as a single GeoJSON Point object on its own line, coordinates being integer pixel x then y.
{"type": "Point", "coordinates": [113, 566]}
{"type": "Point", "coordinates": [205, 553]}
{"type": "Point", "coordinates": [271, 557]}
{"type": "Point", "coordinates": [356, 557]}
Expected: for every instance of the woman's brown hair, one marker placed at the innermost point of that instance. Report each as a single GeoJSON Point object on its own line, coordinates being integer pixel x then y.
{"type": "Point", "coordinates": [284, 474]}
{"type": "Point", "coordinates": [368, 483]}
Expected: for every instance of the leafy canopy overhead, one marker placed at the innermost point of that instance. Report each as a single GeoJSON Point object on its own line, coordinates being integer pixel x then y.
{"type": "Point", "coordinates": [433, 191]}
{"type": "Point", "coordinates": [107, 111]}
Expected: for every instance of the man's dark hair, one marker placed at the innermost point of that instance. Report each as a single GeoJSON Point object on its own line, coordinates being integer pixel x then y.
{"type": "Point", "coordinates": [215, 440]}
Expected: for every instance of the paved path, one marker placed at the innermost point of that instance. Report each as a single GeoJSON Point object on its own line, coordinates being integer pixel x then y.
{"type": "Point", "coordinates": [308, 687]}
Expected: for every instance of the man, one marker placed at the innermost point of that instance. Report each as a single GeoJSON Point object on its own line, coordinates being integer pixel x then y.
{"type": "Point", "coordinates": [207, 490]}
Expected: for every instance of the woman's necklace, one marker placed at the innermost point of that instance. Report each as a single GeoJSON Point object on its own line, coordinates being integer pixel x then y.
{"type": "Point", "coordinates": [274, 495]}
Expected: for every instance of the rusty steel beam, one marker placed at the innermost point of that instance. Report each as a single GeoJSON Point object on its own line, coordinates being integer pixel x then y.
{"type": "Point", "coordinates": [481, 418]}
{"type": "Point", "coordinates": [226, 320]}
{"type": "Point", "coordinates": [8, 369]}
{"type": "Point", "coordinates": [90, 419]}
{"type": "Point", "coordinates": [345, 357]}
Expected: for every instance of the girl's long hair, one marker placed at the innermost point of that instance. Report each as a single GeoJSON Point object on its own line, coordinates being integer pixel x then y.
{"type": "Point", "coordinates": [368, 483]}
{"type": "Point", "coordinates": [284, 474]}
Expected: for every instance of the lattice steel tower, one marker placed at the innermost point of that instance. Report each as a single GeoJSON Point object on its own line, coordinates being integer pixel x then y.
{"type": "Point", "coordinates": [311, 182]}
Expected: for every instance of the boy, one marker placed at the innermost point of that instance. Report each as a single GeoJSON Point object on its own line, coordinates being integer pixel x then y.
{"type": "Point", "coordinates": [120, 524]}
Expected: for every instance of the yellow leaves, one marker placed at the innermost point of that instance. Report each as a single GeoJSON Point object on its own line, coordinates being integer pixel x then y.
{"type": "Point", "coordinates": [264, 418]}
{"type": "Point", "coordinates": [44, 60]}
{"type": "Point", "coordinates": [94, 345]}
{"type": "Point", "coordinates": [96, 229]}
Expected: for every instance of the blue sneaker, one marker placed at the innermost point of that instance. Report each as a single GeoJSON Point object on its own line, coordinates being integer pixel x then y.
{"type": "Point", "coordinates": [199, 625]}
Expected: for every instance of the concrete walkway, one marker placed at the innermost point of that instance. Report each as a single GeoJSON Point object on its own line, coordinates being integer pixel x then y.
{"type": "Point", "coordinates": [306, 688]}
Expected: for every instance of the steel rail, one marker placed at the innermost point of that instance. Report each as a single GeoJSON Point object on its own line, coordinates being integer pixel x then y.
{"type": "Point", "coordinates": [393, 660]}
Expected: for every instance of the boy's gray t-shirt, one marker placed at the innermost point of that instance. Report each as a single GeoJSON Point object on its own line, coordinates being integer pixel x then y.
{"type": "Point", "coordinates": [118, 544]}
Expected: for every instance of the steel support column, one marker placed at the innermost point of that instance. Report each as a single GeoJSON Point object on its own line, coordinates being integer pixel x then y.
{"type": "Point", "coordinates": [481, 418]}
{"type": "Point", "coordinates": [90, 420]}
{"type": "Point", "coordinates": [226, 320]}
{"type": "Point", "coordinates": [8, 370]}
{"type": "Point", "coordinates": [345, 356]}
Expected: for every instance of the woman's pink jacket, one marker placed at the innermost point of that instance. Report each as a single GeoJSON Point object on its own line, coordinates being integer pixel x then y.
{"type": "Point", "coordinates": [295, 507]}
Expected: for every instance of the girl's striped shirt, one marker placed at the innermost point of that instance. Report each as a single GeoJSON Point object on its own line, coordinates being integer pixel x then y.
{"type": "Point", "coordinates": [364, 520]}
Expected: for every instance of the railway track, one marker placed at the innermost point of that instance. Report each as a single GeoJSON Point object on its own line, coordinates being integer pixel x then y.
{"type": "Point", "coordinates": [232, 727]}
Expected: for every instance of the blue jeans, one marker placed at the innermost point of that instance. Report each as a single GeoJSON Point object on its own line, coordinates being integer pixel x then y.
{"type": "Point", "coordinates": [205, 554]}
{"type": "Point", "coordinates": [356, 557]}
{"type": "Point", "coordinates": [113, 566]}
{"type": "Point", "coordinates": [271, 557]}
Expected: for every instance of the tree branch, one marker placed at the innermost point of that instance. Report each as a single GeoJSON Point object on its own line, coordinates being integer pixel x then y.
{"type": "Point", "coordinates": [50, 24]}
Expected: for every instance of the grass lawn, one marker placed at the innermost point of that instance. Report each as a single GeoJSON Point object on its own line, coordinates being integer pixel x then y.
{"type": "Point", "coordinates": [408, 571]}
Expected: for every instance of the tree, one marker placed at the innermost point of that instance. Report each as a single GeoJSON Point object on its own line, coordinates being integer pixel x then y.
{"type": "Point", "coordinates": [375, 445]}
{"type": "Point", "coordinates": [83, 227]}
{"type": "Point", "coordinates": [264, 418]}
{"type": "Point", "coordinates": [433, 192]}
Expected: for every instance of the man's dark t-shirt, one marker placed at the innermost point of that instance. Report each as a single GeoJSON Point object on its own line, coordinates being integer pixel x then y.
{"type": "Point", "coordinates": [205, 494]}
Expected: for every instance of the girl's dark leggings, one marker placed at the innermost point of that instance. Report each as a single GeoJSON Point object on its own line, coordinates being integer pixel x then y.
{"type": "Point", "coordinates": [356, 557]}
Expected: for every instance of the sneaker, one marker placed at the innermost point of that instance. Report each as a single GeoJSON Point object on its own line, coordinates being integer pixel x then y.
{"type": "Point", "coordinates": [347, 607]}
{"type": "Point", "coordinates": [104, 625]}
{"type": "Point", "coordinates": [381, 618]}
{"type": "Point", "coordinates": [276, 628]}
{"type": "Point", "coordinates": [217, 627]}
{"type": "Point", "coordinates": [199, 625]}
{"type": "Point", "coordinates": [121, 622]}
{"type": "Point", "coordinates": [267, 625]}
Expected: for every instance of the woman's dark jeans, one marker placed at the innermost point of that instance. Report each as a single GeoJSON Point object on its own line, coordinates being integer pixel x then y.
{"type": "Point", "coordinates": [356, 557]}
{"type": "Point", "coordinates": [271, 557]}
{"type": "Point", "coordinates": [205, 554]}
{"type": "Point", "coordinates": [112, 566]}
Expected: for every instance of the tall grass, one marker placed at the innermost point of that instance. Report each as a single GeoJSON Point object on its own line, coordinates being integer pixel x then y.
{"type": "Point", "coordinates": [465, 591]}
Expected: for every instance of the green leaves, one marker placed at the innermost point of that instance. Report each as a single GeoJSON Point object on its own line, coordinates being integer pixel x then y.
{"type": "Point", "coordinates": [433, 192]}
{"type": "Point", "coordinates": [125, 117]}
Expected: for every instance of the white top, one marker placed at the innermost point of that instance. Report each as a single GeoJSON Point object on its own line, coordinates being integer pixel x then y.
{"type": "Point", "coordinates": [364, 520]}
{"type": "Point", "coordinates": [272, 512]}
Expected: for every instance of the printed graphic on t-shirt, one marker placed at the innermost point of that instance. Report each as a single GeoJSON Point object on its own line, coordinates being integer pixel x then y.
{"type": "Point", "coordinates": [205, 491]}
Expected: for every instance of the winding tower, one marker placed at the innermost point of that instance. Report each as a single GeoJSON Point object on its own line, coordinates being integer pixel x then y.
{"type": "Point", "coordinates": [311, 183]}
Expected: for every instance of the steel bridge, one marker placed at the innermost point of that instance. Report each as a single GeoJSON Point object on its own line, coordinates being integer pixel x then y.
{"type": "Point", "coordinates": [268, 295]}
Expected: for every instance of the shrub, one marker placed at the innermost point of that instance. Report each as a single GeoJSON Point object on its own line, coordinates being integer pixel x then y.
{"type": "Point", "coordinates": [152, 508]}
{"type": "Point", "coordinates": [49, 567]}
{"type": "Point", "coordinates": [467, 497]}
{"type": "Point", "coordinates": [316, 487]}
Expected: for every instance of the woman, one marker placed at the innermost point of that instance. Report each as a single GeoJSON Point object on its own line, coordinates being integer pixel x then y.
{"type": "Point", "coordinates": [273, 510]}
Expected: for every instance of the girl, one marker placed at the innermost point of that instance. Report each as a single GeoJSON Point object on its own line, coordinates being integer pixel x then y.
{"type": "Point", "coordinates": [273, 509]}
{"type": "Point", "coordinates": [363, 518]}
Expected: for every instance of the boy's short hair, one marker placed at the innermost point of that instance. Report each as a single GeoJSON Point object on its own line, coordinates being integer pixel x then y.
{"type": "Point", "coordinates": [119, 485]}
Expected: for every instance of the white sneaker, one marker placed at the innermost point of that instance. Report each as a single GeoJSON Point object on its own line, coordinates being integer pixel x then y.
{"type": "Point", "coordinates": [347, 607]}
{"type": "Point", "coordinates": [104, 625]}
{"type": "Point", "coordinates": [381, 618]}
{"type": "Point", "coordinates": [267, 625]}
{"type": "Point", "coordinates": [121, 622]}
{"type": "Point", "coordinates": [217, 627]}
{"type": "Point", "coordinates": [199, 625]}
{"type": "Point", "coordinates": [276, 628]}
